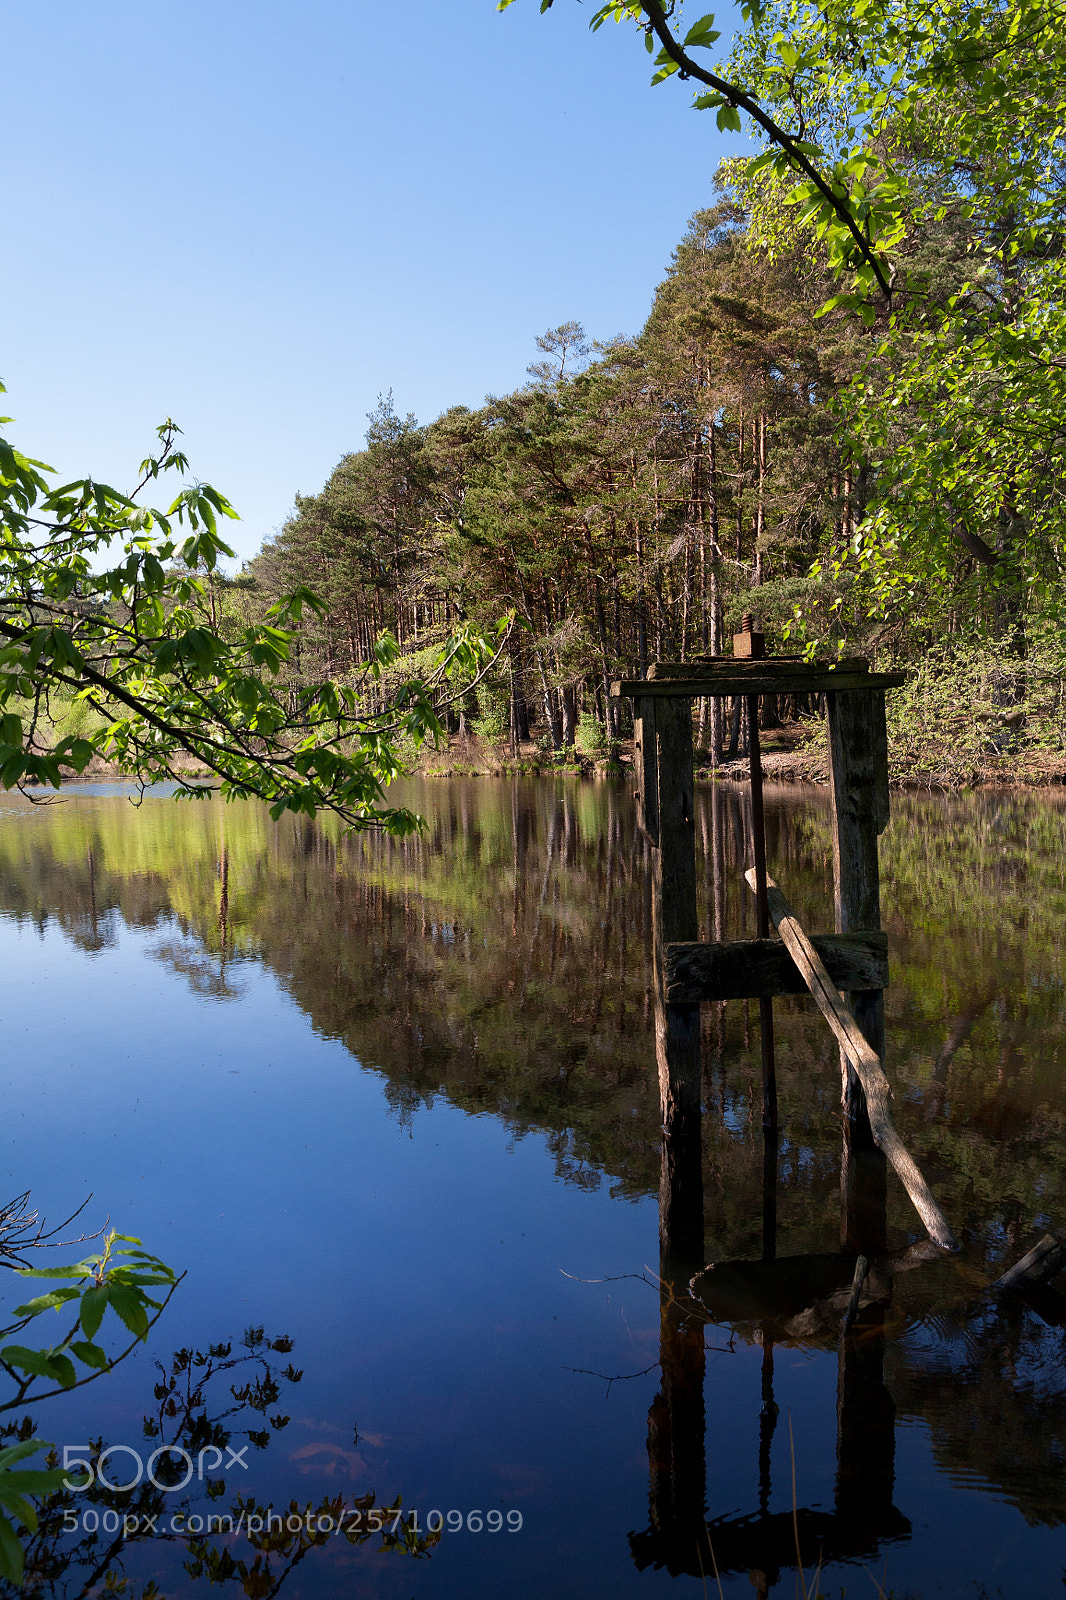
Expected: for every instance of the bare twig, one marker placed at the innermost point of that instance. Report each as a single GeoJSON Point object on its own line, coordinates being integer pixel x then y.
{"type": "Point", "coordinates": [22, 1229]}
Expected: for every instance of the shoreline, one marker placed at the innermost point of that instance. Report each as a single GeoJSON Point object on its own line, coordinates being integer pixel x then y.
{"type": "Point", "coordinates": [789, 755]}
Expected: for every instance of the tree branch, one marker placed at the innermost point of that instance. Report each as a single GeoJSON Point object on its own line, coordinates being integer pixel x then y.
{"type": "Point", "coordinates": [737, 97]}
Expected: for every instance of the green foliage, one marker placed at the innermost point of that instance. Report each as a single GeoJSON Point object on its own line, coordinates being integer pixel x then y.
{"type": "Point", "coordinates": [947, 126]}
{"type": "Point", "coordinates": [492, 724]}
{"type": "Point", "coordinates": [138, 664]}
{"type": "Point", "coordinates": [117, 1278]}
{"type": "Point", "coordinates": [967, 706]}
{"type": "Point", "coordinates": [857, 219]}
{"type": "Point", "coordinates": [916, 159]}
{"type": "Point", "coordinates": [591, 737]}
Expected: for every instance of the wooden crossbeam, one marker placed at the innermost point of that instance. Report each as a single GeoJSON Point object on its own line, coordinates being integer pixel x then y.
{"type": "Point", "coordinates": [863, 1058]}
{"type": "Point", "coordinates": [1042, 1263]}
{"type": "Point", "coordinates": [706, 669]}
{"type": "Point", "coordinates": [752, 969]}
{"type": "Point", "coordinates": [770, 678]}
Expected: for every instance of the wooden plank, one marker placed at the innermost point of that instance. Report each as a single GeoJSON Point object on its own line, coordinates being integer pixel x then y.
{"type": "Point", "coordinates": [762, 911]}
{"type": "Point", "coordinates": [705, 671]}
{"type": "Point", "coordinates": [752, 968]}
{"type": "Point", "coordinates": [863, 1184]}
{"type": "Point", "coordinates": [1043, 1262]}
{"type": "Point", "coordinates": [879, 754]}
{"type": "Point", "coordinates": [866, 1062]}
{"type": "Point", "coordinates": [677, 828]}
{"type": "Point", "coordinates": [681, 1237]}
{"type": "Point", "coordinates": [765, 681]}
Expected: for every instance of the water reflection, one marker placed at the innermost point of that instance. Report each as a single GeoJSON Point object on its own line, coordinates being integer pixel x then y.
{"type": "Point", "coordinates": [121, 1520]}
{"type": "Point", "coordinates": [811, 1300]}
{"type": "Point", "coordinates": [502, 963]}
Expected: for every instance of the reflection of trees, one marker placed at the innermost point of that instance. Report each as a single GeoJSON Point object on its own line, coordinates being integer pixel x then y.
{"type": "Point", "coordinates": [991, 1387]}
{"type": "Point", "coordinates": [205, 1402]}
{"type": "Point", "coordinates": [502, 961]}
{"type": "Point", "coordinates": [199, 968]}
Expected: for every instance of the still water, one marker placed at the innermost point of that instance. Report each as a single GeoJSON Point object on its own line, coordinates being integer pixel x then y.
{"type": "Point", "coordinates": [397, 1103]}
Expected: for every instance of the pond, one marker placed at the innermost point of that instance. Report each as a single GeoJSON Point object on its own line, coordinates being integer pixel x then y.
{"type": "Point", "coordinates": [396, 1103]}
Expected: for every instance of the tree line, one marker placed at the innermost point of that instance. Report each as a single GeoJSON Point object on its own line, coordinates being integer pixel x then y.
{"type": "Point", "coordinates": [747, 451]}
{"type": "Point", "coordinates": [627, 502]}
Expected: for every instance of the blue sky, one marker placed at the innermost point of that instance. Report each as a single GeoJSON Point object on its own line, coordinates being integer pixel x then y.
{"type": "Point", "coordinates": [256, 217]}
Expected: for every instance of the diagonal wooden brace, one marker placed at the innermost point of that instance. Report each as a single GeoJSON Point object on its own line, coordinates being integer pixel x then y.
{"type": "Point", "coordinates": [863, 1058]}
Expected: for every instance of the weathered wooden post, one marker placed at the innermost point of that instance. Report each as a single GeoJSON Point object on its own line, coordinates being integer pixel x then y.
{"type": "Point", "coordinates": [858, 780]}
{"type": "Point", "coordinates": [665, 815]}
{"type": "Point", "coordinates": [751, 646]}
{"type": "Point", "coordinates": [663, 748]}
{"type": "Point", "coordinates": [676, 1431]}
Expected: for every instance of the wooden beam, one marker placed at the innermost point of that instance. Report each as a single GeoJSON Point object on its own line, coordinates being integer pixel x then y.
{"type": "Point", "coordinates": [705, 671]}
{"type": "Point", "coordinates": [1043, 1262]}
{"type": "Point", "coordinates": [768, 680]}
{"type": "Point", "coordinates": [752, 969]}
{"type": "Point", "coordinates": [864, 1059]}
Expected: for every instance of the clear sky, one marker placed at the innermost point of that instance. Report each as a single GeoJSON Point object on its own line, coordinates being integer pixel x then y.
{"type": "Point", "coordinates": [257, 217]}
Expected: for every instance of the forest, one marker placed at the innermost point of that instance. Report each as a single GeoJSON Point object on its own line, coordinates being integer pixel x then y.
{"type": "Point", "coordinates": [877, 471]}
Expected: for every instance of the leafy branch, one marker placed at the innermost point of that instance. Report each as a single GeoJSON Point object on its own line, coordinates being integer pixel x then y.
{"type": "Point", "coordinates": [118, 1277]}
{"type": "Point", "coordinates": [139, 646]}
{"type": "Point", "coordinates": [730, 99]}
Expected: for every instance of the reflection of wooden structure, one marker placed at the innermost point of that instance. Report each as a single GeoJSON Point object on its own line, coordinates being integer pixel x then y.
{"type": "Point", "coordinates": [790, 1301]}
{"type": "Point", "coordinates": [853, 960]}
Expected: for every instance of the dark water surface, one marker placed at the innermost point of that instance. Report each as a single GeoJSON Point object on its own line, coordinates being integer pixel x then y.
{"type": "Point", "coordinates": [397, 1101]}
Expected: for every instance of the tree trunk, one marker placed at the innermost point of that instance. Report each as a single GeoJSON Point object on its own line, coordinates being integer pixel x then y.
{"type": "Point", "coordinates": [568, 696]}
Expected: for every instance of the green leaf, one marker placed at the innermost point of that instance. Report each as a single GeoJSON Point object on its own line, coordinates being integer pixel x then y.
{"type": "Point", "coordinates": [83, 1269]}
{"type": "Point", "coordinates": [91, 1355]}
{"type": "Point", "coordinates": [93, 1306]}
{"type": "Point", "coordinates": [40, 1363]}
{"type": "Point", "coordinates": [19, 1452]}
{"type": "Point", "coordinates": [23, 1359]}
{"type": "Point", "coordinates": [702, 34]}
{"type": "Point", "coordinates": [12, 1560]}
{"type": "Point", "coordinates": [130, 1307]}
{"type": "Point", "coordinates": [47, 1302]}
{"type": "Point", "coordinates": [47, 1481]}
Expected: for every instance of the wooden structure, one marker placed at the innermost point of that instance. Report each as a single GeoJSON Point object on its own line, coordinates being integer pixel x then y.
{"type": "Point", "coordinates": [853, 959]}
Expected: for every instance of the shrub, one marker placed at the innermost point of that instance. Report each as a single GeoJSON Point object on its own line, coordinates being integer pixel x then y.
{"type": "Point", "coordinates": [493, 722]}
{"type": "Point", "coordinates": [591, 736]}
